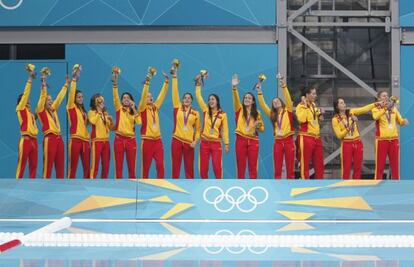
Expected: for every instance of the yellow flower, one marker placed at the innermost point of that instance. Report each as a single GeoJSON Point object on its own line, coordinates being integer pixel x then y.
{"type": "Point", "coordinates": [30, 67]}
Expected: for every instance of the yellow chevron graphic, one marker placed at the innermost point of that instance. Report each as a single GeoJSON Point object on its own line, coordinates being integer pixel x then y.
{"type": "Point", "coordinates": [294, 215]}
{"type": "Point", "coordinates": [163, 184]}
{"type": "Point", "coordinates": [161, 199]}
{"type": "Point", "coordinates": [179, 207]}
{"type": "Point", "coordinates": [298, 191]}
{"type": "Point", "coordinates": [348, 183]}
{"type": "Point", "coordinates": [295, 227]}
{"type": "Point", "coordinates": [173, 230]}
{"type": "Point", "coordinates": [97, 202]}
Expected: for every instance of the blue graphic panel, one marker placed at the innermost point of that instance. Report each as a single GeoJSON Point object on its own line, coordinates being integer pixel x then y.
{"type": "Point", "coordinates": [407, 111]}
{"type": "Point", "coordinates": [406, 13]}
{"type": "Point", "coordinates": [133, 13]}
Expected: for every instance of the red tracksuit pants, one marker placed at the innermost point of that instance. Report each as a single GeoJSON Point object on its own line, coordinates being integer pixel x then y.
{"type": "Point", "coordinates": [182, 151]}
{"type": "Point", "coordinates": [53, 154]}
{"type": "Point", "coordinates": [27, 152]}
{"type": "Point", "coordinates": [125, 145]}
{"type": "Point", "coordinates": [352, 151]}
{"type": "Point", "coordinates": [390, 148]}
{"type": "Point", "coordinates": [152, 150]}
{"type": "Point", "coordinates": [284, 148]}
{"type": "Point", "coordinates": [213, 149]}
{"type": "Point", "coordinates": [247, 151]}
{"type": "Point", "coordinates": [79, 148]}
{"type": "Point", "coordinates": [101, 152]}
{"type": "Point", "coordinates": [310, 149]}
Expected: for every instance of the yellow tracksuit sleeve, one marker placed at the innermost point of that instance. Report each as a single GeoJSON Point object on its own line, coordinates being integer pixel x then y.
{"type": "Point", "coordinates": [42, 99]}
{"type": "Point", "coordinates": [143, 101]}
{"type": "Point", "coordinates": [339, 130]}
{"type": "Point", "coordinates": [93, 117]}
{"type": "Point", "coordinates": [288, 99]}
{"type": "Point", "coordinates": [236, 99]}
{"type": "Point", "coordinates": [26, 93]}
{"type": "Point", "coordinates": [398, 117]}
{"type": "Point", "coordinates": [60, 97]}
{"type": "Point", "coordinates": [175, 93]}
{"type": "Point", "coordinates": [362, 110]}
{"type": "Point", "coordinates": [302, 113]}
{"type": "Point", "coordinates": [200, 99]}
{"type": "Point", "coordinates": [117, 101]}
{"type": "Point", "coordinates": [137, 119]}
{"type": "Point", "coordinates": [225, 130]}
{"type": "Point", "coordinates": [162, 94]}
{"type": "Point", "coordinates": [378, 112]}
{"type": "Point", "coordinates": [71, 96]}
{"type": "Point", "coordinates": [263, 104]}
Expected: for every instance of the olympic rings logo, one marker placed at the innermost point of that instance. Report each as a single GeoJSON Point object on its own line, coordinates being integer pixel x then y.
{"type": "Point", "coordinates": [235, 250]}
{"type": "Point", "coordinates": [235, 196]}
{"type": "Point", "coordinates": [11, 7]}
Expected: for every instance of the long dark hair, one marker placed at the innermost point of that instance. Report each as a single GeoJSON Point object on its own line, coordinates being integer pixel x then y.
{"type": "Point", "coordinates": [80, 106]}
{"type": "Point", "coordinates": [210, 112]}
{"type": "Point", "coordinates": [253, 110]}
{"type": "Point", "coordinates": [131, 97]}
{"type": "Point", "coordinates": [336, 109]}
{"type": "Point", "coordinates": [274, 111]}
{"type": "Point", "coordinates": [92, 104]}
{"type": "Point", "coordinates": [188, 93]}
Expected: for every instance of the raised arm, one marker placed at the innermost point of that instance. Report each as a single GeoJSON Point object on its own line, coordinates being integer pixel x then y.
{"type": "Point", "coordinates": [42, 99]}
{"type": "Point", "coordinates": [262, 103]}
{"type": "Point", "coordinates": [26, 93]}
{"type": "Point", "coordinates": [115, 93]}
{"type": "Point", "coordinates": [61, 95]}
{"type": "Point", "coordinates": [288, 99]}
{"type": "Point", "coordinates": [362, 110]}
{"type": "Point", "coordinates": [236, 99]}
{"type": "Point", "coordinates": [144, 94]}
{"type": "Point", "coordinates": [175, 93]}
{"type": "Point", "coordinates": [72, 93]}
{"type": "Point", "coordinates": [199, 97]}
{"type": "Point", "coordinates": [162, 94]}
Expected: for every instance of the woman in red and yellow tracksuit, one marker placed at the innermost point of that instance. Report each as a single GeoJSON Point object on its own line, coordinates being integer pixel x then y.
{"type": "Point", "coordinates": [186, 131]}
{"type": "Point", "coordinates": [151, 142]}
{"type": "Point", "coordinates": [386, 117]}
{"type": "Point", "coordinates": [53, 147]}
{"type": "Point", "coordinates": [281, 116]}
{"type": "Point", "coordinates": [125, 143]}
{"type": "Point", "coordinates": [344, 124]}
{"type": "Point", "coordinates": [215, 128]}
{"type": "Point", "coordinates": [309, 141]}
{"type": "Point", "coordinates": [79, 136]}
{"type": "Point", "coordinates": [101, 123]}
{"type": "Point", "coordinates": [28, 131]}
{"type": "Point", "coordinates": [249, 122]}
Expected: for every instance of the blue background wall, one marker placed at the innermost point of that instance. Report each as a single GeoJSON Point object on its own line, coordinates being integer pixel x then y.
{"type": "Point", "coordinates": [138, 12]}
{"type": "Point", "coordinates": [97, 60]}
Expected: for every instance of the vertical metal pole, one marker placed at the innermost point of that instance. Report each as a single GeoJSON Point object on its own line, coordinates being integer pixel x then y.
{"type": "Point", "coordinates": [395, 47]}
{"type": "Point", "coordinates": [281, 20]}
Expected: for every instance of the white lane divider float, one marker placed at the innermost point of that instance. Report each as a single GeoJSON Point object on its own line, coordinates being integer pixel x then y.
{"type": "Point", "coordinates": [11, 240]}
{"type": "Point", "coordinates": [50, 239]}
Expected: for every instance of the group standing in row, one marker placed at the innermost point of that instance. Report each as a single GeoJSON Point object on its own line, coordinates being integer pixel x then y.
{"type": "Point", "coordinates": [93, 148]}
